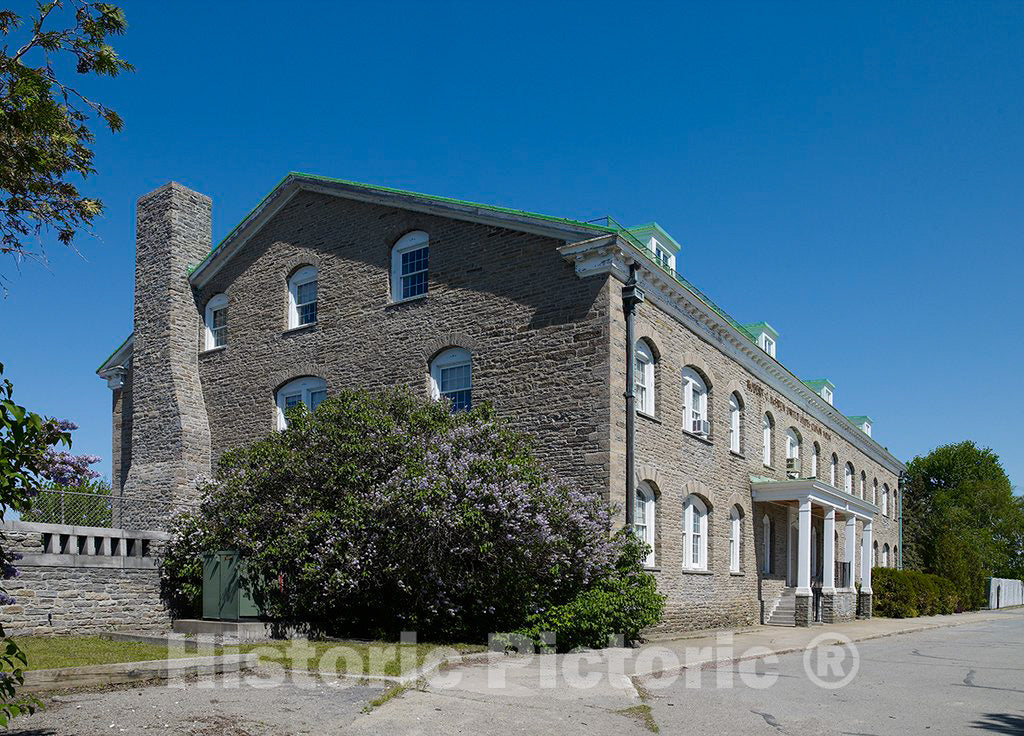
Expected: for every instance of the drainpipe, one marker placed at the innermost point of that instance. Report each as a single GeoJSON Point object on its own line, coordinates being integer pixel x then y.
{"type": "Point", "coordinates": [631, 296]}
{"type": "Point", "coordinates": [902, 486]}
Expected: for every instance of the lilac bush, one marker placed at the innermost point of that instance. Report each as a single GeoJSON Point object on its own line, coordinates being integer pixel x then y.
{"type": "Point", "coordinates": [383, 512]}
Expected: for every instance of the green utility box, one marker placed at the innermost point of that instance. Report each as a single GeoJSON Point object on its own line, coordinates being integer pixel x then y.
{"type": "Point", "coordinates": [224, 597]}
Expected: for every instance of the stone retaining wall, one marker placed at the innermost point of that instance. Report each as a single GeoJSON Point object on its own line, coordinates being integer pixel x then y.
{"type": "Point", "coordinates": [78, 580]}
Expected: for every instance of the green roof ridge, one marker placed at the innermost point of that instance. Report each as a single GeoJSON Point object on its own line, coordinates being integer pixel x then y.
{"type": "Point", "coordinates": [107, 359]}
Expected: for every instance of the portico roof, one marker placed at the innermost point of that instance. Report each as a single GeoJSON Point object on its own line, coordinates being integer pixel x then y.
{"type": "Point", "coordinates": [822, 494]}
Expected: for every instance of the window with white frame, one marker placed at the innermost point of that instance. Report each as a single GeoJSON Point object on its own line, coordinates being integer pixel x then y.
{"type": "Point", "coordinates": [217, 322]}
{"type": "Point", "coordinates": [309, 391]}
{"type": "Point", "coordinates": [863, 482]}
{"type": "Point", "coordinates": [661, 254]}
{"type": "Point", "coordinates": [768, 345]}
{"type": "Point", "coordinates": [695, 534]}
{"type": "Point", "coordinates": [410, 266]}
{"type": "Point", "coordinates": [643, 378]}
{"type": "Point", "coordinates": [766, 545]}
{"type": "Point", "coordinates": [885, 499]}
{"type": "Point", "coordinates": [815, 452]}
{"type": "Point", "coordinates": [734, 539]}
{"type": "Point", "coordinates": [643, 519]}
{"type": "Point", "coordinates": [735, 415]}
{"type": "Point", "coordinates": [767, 425]}
{"type": "Point", "coordinates": [451, 376]}
{"type": "Point", "coordinates": [826, 393]}
{"type": "Point", "coordinates": [848, 478]}
{"type": "Point", "coordinates": [302, 297]}
{"type": "Point", "coordinates": [833, 470]}
{"type": "Point", "coordinates": [885, 555]}
{"type": "Point", "coordinates": [792, 452]}
{"type": "Point", "coordinates": [695, 403]}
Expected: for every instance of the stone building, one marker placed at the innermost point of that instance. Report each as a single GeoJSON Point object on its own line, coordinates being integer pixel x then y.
{"type": "Point", "coordinates": [759, 498]}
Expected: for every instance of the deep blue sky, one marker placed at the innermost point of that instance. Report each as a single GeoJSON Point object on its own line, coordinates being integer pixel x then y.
{"type": "Point", "coordinates": [852, 174]}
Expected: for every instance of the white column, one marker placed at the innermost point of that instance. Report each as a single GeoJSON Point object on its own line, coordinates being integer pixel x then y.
{"type": "Point", "coordinates": [803, 567]}
{"type": "Point", "coordinates": [851, 546]}
{"type": "Point", "coordinates": [866, 558]}
{"type": "Point", "coordinates": [828, 554]}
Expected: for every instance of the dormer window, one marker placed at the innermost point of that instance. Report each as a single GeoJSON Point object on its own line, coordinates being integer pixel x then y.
{"type": "Point", "coordinates": [867, 428]}
{"type": "Point", "coordinates": [768, 345]}
{"type": "Point", "coordinates": [764, 335]}
{"type": "Point", "coordinates": [661, 254]}
{"type": "Point", "coordinates": [826, 393]}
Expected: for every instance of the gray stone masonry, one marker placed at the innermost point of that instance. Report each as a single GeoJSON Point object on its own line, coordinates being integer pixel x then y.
{"type": "Point", "coordinates": [864, 605]}
{"type": "Point", "coordinates": [804, 610]}
{"type": "Point", "coordinates": [838, 607]}
{"type": "Point", "coordinates": [170, 431]}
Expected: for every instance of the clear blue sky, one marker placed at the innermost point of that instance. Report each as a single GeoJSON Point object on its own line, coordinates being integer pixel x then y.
{"type": "Point", "coordinates": [853, 174]}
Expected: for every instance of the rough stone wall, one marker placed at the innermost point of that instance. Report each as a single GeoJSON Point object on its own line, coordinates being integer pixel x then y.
{"type": "Point", "coordinates": [839, 607]}
{"type": "Point", "coordinates": [83, 600]}
{"type": "Point", "coordinates": [121, 443]}
{"type": "Point", "coordinates": [537, 333]}
{"type": "Point", "coordinates": [677, 464]}
{"type": "Point", "coordinates": [170, 434]}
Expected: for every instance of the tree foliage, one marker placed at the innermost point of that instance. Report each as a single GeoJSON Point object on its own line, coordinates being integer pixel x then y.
{"type": "Point", "coordinates": [45, 137]}
{"type": "Point", "coordinates": [382, 512]}
{"type": "Point", "coordinates": [25, 439]}
{"type": "Point", "coordinates": [962, 520]}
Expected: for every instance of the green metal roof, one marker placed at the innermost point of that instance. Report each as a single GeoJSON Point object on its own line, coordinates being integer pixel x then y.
{"type": "Point", "coordinates": [755, 328]}
{"type": "Point", "coordinates": [860, 418]}
{"type": "Point", "coordinates": [818, 383]}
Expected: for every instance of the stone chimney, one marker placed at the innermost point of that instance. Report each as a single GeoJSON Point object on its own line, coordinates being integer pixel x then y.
{"type": "Point", "coordinates": [170, 449]}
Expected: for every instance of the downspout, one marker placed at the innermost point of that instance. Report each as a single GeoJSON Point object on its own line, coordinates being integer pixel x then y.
{"type": "Point", "coordinates": [902, 485]}
{"type": "Point", "coordinates": [631, 296]}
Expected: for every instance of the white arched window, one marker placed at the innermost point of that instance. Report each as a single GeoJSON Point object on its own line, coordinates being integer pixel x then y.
{"type": "Point", "coordinates": [643, 519]}
{"type": "Point", "coordinates": [216, 322]}
{"type": "Point", "coordinates": [310, 391]}
{"type": "Point", "coordinates": [695, 403]}
{"type": "Point", "coordinates": [863, 482]}
{"type": "Point", "coordinates": [766, 545]}
{"type": "Point", "coordinates": [792, 453]}
{"type": "Point", "coordinates": [643, 378]}
{"type": "Point", "coordinates": [734, 539]}
{"type": "Point", "coordinates": [695, 534]}
{"type": "Point", "coordinates": [885, 500]}
{"type": "Point", "coordinates": [833, 470]}
{"type": "Point", "coordinates": [848, 478]}
{"type": "Point", "coordinates": [885, 555]}
{"type": "Point", "coordinates": [302, 295]}
{"type": "Point", "coordinates": [766, 439]}
{"type": "Point", "coordinates": [815, 452]}
{"type": "Point", "coordinates": [451, 376]}
{"type": "Point", "coordinates": [735, 409]}
{"type": "Point", "coordinates": [409, 266]}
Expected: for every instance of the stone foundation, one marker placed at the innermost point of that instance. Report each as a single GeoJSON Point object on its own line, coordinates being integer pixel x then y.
{"type": "Point", "coordinates": [864, 605]}
{"type": "Point", "coordinates": [838, 607]}
{"type": "Point", "coordinates": [804, 610]}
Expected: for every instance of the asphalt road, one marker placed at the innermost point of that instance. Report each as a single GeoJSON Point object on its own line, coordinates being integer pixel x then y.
{"type": "Point", "coordinates": [965, 679]}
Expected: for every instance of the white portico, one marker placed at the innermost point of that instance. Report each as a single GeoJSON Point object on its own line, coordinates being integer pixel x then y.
{"type": "Point", "coordinates": [808, 500]}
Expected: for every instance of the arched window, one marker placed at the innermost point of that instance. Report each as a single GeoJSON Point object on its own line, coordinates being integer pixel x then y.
{"type": "Point", "coordinates": [766, 545]}
{"type": "Point", "coordinates": [302, 297]}
{"type": "Point", "coordinates": [217, 322]}
{"type": "Point", "coordinates": [643, 378]}
{"type": "Point", "coordinates": [874, 491]}
{"type": "Point", "coordinates": [695, 403]}
{"type": "Point", "coordinates": [885, 555]}
{"type": "Point", "coordinates": [734, 539]}
{"type": "Point", "coordinates": [310, 391]}
{"type": "Point", "coordinates": [643, 519]}
{"type": "Point", "coordinates": [885, 499]}
{"type": "Point", "coordinates": [735, 415]}
{"type": "Point", "coordinates": [767, 425]}
{"type": "Point", "coordinates": [792, 453]}
{"type": "Point", "coordinates": [832, 470]}
{"type": "Point", "coordinates": [874, 554]}
{"type": "Point", "coordinates": [695, 534]}
{"type": "Point", "coordinates": [815, 453]}
{"type": "Point", "coordinates": [409, 266]}
{"type": "Point", "coordinates": [863, 482]}
{"type": "Point", "coordinates": [848, 478]}
{"type": "Point", "coordinates": [451, 376]}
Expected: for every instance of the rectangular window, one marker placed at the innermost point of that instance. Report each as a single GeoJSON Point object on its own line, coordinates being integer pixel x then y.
{"type": "Point", "coordinates": [455, 384]}
{"type": "Point", "coordinates": [640, 384]}
{"type": "Point", "coordinates": [316, 398]}
{"type": "Point", "coordinates": [305, 302]}
{"type": "Point", "coordinates": [219, 329]}
{"type": "Point", "coordinates": [292, 400]}
{"type": "Point", "coordinates": [414, 272]}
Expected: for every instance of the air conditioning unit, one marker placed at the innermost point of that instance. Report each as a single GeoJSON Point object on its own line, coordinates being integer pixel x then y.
{"type": "Point", "coordinates": [792, 463]}
{"type": "Point", "coordinates": [701, 427]}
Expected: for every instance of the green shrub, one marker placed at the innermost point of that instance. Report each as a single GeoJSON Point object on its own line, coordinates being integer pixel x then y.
{"type": "Point", "coordinates": [908, 593]}
{"type": "Point", "coordinates": [623, 604]}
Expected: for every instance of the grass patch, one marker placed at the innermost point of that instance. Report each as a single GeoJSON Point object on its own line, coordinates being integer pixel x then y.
{"type": "Point", "coordinates": [51, 652]}
{"type": "Point", "coordinates": [641, 713]}
{"type": "Point", "coordinates": [389, 694]}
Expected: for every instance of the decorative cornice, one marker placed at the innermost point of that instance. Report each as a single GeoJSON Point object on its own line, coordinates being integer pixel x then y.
{"type": "Point", "coordinates": [611, 254]}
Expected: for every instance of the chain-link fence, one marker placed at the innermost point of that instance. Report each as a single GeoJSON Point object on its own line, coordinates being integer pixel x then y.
{"type": "Point", "coordinates": [77, 508]}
